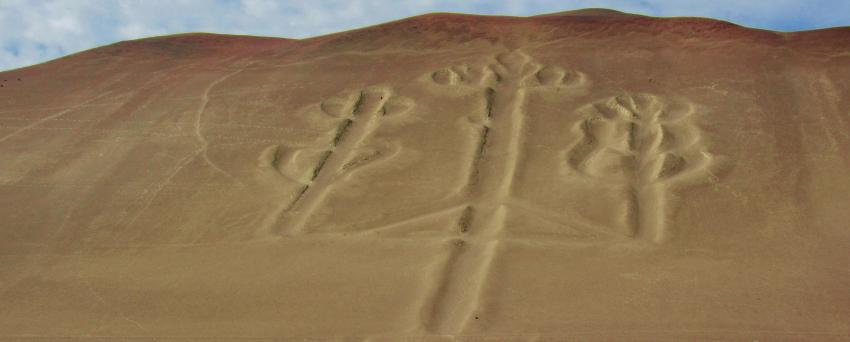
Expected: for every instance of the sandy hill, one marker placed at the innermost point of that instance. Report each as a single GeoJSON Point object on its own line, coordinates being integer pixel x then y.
{"type": "Point", "coordinates": [586, 176]}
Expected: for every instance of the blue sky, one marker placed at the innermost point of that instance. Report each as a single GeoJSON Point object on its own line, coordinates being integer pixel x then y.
{"type": "Point", "coordinates": [34, 31]}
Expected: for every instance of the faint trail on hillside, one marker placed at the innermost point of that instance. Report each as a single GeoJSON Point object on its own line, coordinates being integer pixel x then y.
{"type": "Point", "coordinates": [183, 162]}
{"type": "Point", "coordinates": [201, 151]}
{"type": "Point", "coordinates": [205, 99]}
{"type": "Point", "coordinates": [52, 117]}
{"type": "Point", "coordinates": [64, 111]}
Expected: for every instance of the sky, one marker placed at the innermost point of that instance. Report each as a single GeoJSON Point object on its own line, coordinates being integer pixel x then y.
{"type": "Point", "coordinates": [35, 31]}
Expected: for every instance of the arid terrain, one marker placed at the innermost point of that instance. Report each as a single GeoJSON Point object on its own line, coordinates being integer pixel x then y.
{"type": "Point", "coordinates": [587, 175]}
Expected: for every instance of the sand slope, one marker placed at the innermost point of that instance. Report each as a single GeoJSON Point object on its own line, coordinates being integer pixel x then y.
{"type": "Point", "coordinates": [587, 175]}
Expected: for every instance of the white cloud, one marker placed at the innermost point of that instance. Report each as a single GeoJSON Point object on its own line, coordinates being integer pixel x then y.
{"type": "Point", "coordinates": [36, 31]}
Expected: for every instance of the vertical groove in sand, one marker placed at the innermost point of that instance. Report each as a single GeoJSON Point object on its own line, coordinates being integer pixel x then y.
{"type": "Point", "coordinates": [462, 278]}
{"type": "Point", "coordinates": [474, 169]}
{"type": "Point", "coordinates": [456, 298]}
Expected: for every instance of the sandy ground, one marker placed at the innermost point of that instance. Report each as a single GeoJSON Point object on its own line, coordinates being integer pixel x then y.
{"type": "Point", "coordinates": [578, 176]}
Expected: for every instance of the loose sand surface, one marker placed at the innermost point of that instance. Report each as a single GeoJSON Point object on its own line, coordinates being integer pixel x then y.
{"type": "Point", "coordinates": [578, 176]}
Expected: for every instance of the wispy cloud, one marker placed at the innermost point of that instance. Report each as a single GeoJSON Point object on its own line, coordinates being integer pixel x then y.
{"type": "Point", "coordinates": [35, 31]}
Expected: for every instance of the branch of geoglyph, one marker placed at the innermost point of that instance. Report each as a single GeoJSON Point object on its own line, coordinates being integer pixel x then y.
{"type": "Point", "coordinates": [464, 75]}
{"type": "Point", "coordinates": [515, 67]}
{"type": "Point", "coordinates": [369, 107]}
{"type": "Point", "coordinates": [651, 139]}
{"type": "Point", "coordinates": [302, 164]}
{"type": "Point", "coordinates": [530, 74]}
{"type": "Point", "coordinates": [286, 162]}
{"type": "Point", "coordinates": [368, 156]}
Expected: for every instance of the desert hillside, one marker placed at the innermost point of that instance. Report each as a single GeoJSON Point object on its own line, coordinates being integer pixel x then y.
{"type": "Point", "coordinates": [588, 175]}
